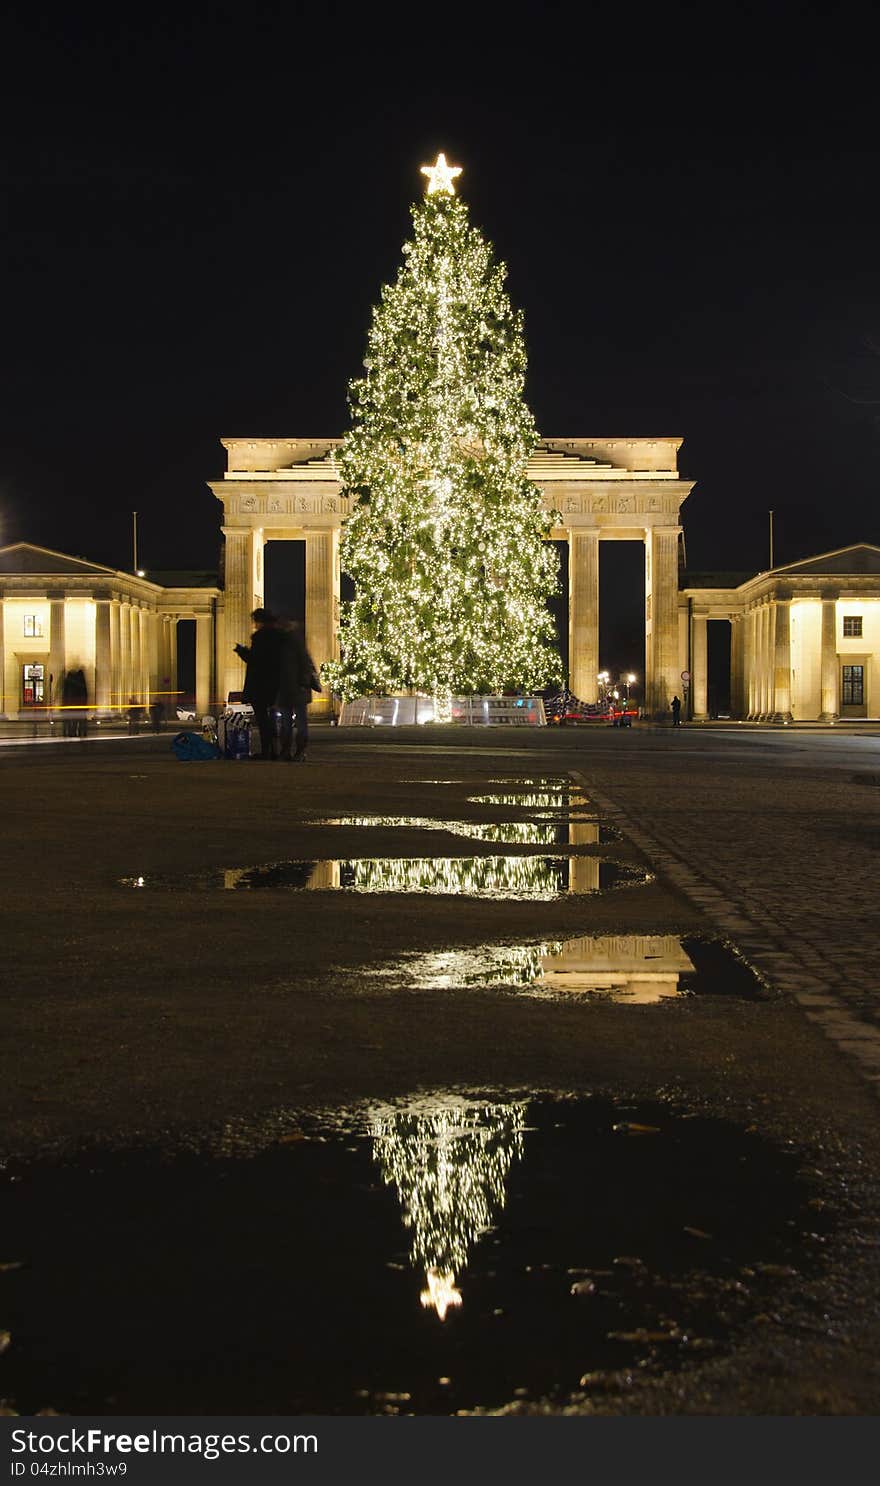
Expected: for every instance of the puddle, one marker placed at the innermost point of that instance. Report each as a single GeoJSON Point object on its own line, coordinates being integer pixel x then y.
{"type": "Point", "coordinates": [432, 781]}
{"type": "Point", "coordinates": [525, 781]}
{"type": "Point", "coordinates": [508, 833]}
{"type": "Point", "coordinates": [562, 800]}
{"type": "Point", "coordinates": [449, 1253]}
{"type": "Point", "coordinates": [631, 969]}
{"type": "Point", "coordinates": [532, 878]}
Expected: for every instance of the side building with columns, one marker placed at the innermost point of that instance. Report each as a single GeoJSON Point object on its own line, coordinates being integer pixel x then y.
{"type": "Point", "coordinates": [60, 613]}
{"type": "Point", "coordinates": [804, 638]}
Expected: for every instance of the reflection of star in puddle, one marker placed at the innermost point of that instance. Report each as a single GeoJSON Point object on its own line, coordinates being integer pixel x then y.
{"type": "Point", "coordinates": [440, 1293]}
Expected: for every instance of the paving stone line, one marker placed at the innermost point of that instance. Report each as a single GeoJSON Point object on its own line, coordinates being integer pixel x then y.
{"type": "Point", "coordinates": [776, 963]}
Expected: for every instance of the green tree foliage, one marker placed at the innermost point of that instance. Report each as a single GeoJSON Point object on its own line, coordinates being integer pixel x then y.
{"type": "Point", "coordinates": [446, 538]}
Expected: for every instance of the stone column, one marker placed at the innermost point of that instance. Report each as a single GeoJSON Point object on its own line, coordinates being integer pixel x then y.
{"type": "Point", "coordinates": [167, 648]}
{"type": "Point", "coordinates": [204, 643]}
{"type": "Point", "coordinates": [700, 667]}
{"type": "Point", "coordinates": [763, 686]}
{"type": "Point", "coordinates": [830, 667]}
{"type": "Point", "coordinates": [57, 652]}
{"type": "Point", "coordinates": [737, 646]}
{"type": "Point", "coordinates": [239, 573]}
{"type": "Point", "coordinates": [154, 653]}
{"type": "Point", "coordinates": [583, 614]}
{"type": "Point", "coordinates": [115, 656]}
{"type": "Point", "coordinates": [782, 661]}
{"type": "Point", "coordinates": [124, 654]}
{"type": "Point", "coordinates": [219, 655]}
{"type": "Point", "coordinates": [663, 679]}
{"type": "Point", "coordinates": [103, 662]}
{"type": "Point", "coordinates": [322, 603]}
{"type": "Point", "coordinates": [769, 618]}
{"type": "Point", "coordinates": [143, 686]}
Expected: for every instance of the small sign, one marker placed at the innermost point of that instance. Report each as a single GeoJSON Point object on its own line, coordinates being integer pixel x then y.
{"type": "Point", "coordinates": [685, 675]}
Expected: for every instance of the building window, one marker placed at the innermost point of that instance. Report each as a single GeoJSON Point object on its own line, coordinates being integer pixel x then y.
{"type": "Point", "coordinates": [33, 685]}
{"type": "Point", "coordinates": [853, 686]}
{"type": "Point", "coordinates": [33, 627]}
{"type": "Point", "coordinates": [852, 626]}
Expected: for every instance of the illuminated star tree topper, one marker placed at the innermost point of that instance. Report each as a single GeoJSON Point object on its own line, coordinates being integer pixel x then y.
{"type": "Point", "coordinates": [441, 176]}
{"type": "Point", "coordinates": [447, 537]}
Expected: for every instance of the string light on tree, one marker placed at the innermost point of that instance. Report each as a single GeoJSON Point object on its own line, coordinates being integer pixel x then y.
{"type": "Point", "coordinates": [447, 539]}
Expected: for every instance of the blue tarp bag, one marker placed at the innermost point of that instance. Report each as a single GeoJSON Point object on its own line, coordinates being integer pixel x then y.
{"type": "Point", "coordinates": [189, 747]}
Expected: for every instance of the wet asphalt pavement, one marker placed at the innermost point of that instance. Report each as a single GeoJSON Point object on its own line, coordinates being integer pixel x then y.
{"type": "Point", "coordinates": [177, 1024]}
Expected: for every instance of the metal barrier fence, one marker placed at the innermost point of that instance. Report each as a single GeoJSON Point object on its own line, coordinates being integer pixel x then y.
{"type": "Point", "coordinates": [408, 711]}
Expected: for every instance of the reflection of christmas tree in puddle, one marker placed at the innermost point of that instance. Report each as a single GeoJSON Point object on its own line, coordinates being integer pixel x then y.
{"type": "Point", "coordinates": [545, 799]}
{"type": "Point", "coordinates": [511, 832]}
{"type": "Point", "coordinates": [449, 1163]}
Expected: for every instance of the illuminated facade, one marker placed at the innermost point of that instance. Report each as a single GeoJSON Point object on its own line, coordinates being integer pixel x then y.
{"type": "Point", "coordinates": [805, 639]}
{"type": "Point", "coordinates": [60, 613]}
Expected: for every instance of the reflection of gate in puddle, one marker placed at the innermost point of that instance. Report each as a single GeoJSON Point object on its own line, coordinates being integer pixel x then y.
{"type": "Point", "coordinates": [450, 1165]}
{"type": "Point", "coordinates": [636, 968]}
{"type": "Point", "coordinates": [630, 967]}
{"type": "Point", "coordinates": [528, 877]}
{"type": "Point", "coordinates": [533, 878]}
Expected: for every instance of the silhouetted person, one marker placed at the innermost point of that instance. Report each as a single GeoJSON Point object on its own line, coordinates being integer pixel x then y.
{"type": "Point", "coordinates": [676, 712]}
{"type": "Point", "coordinates": [74, 699]}
{"type": "Point", "coordinates": [135, 715]}
{"type": "Point", "coordinates": [263, 675]}
{"type": "Point", "coordinates": [157, 714]}
{"type": "Point", "coordinates": [298, 679]}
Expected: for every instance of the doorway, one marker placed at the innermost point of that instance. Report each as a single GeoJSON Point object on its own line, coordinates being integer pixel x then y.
{"type": "Point", "coordinates": [718, 701]}
{"type": "Point", "coordinates": [622, 615]}
{"type": "Point", "coordinates": [853, 700]}
{"type": "Point", "coordinates": [284, 578]}
{"type": "Point", "coordinates": [186, 663]}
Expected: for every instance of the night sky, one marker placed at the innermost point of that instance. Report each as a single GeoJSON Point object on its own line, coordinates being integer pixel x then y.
{"type": "Point", "coordinates": [198, 215]}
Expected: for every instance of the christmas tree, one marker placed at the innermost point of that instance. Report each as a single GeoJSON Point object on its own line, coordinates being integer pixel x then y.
{"type": "Point", "coordinates": [446, 541]}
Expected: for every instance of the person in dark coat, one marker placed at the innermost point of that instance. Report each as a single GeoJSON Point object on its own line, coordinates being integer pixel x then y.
{"type": "Point", "coordinates": [74, 699]}
{"type": "Point", "coordinates": [676, 712]}
{"type": "Point", "coordinates": [299, 678]}
{"type": "Point", "coordinates": [263, 675]}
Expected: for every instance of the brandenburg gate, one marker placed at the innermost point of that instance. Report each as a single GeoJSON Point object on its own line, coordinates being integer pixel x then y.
{"type": "Point", "coordinates": [603, 490]}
